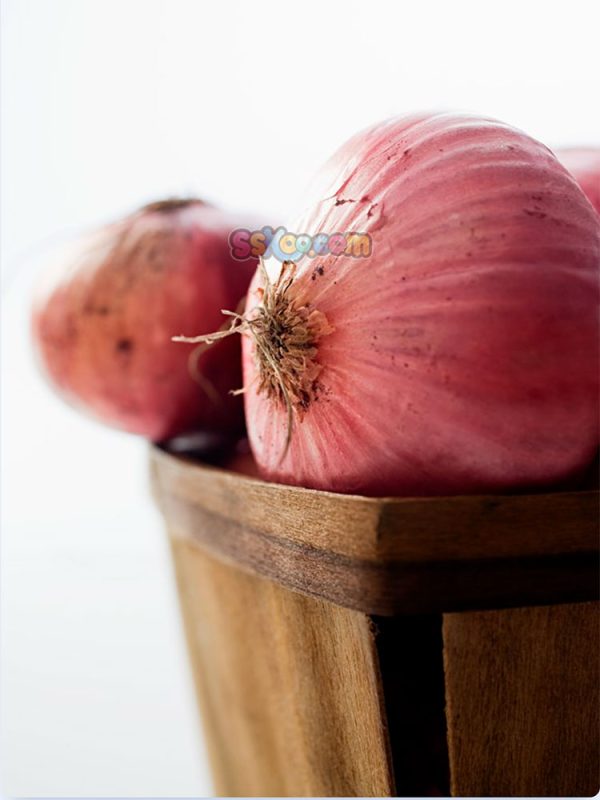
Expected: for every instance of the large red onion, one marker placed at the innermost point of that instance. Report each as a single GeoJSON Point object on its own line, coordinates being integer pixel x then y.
{"type": "Point", "coordinates": [462, 355]}
{"type": "Point", "coordinates": [584, 164]}
{"type": "Point", "coordinates": [103, 324]}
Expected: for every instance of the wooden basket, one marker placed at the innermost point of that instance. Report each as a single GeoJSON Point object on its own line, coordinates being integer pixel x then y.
{"type": "Point", "coordinates": [351, 646]}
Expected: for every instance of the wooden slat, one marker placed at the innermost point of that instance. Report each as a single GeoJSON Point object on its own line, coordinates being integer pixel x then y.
{"type": "Point", "coordinates": [522, 701]}
{"type": "Point", "coordinates": [388, 556]}
{"type": "Point", "coordinates": [411, 529]}
{"type": "Point", "coordinates": [288, 685]}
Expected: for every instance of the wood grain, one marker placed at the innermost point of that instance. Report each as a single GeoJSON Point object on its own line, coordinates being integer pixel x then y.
{"type": "Point", "coordinates": [522, 701]}
{"type": "Point", "coordinates": [303, 697]}
{"type": "Point", "coordinates": [288, 685]}
{"type": "Point", "coordinates": [388, 556]}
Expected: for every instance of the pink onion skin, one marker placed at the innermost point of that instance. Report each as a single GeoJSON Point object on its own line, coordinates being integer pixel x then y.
{"type": "Point", "coordinates": [464, 353]}
{"type": "Point", "coordinates": [584, 164]}
{"type": "Point", "coordinates": [102, 326]}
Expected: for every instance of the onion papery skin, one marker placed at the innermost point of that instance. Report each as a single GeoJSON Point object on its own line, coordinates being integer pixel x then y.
{"type": "Point", "coordinates": [103, 321]}
{"type": "Point", "coordinates": [464, 351]}
{"type": "Point", "coordinates": [584, 164]}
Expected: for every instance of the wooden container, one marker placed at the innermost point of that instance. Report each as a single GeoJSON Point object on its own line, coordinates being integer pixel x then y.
{"type": "Point", "coordinates": [350, 646]}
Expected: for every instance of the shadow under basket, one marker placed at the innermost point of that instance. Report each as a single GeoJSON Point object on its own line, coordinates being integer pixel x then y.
{"type": "Point", "coordinates": [352, 646]}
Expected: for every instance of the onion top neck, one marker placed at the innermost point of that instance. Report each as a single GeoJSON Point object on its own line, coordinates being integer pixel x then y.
{"type": "Point", "coordinates": [171, 204]}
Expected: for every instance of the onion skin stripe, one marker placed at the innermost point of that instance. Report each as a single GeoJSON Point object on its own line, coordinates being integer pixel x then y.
{"type": "Point", "coordinates": [483, 243]}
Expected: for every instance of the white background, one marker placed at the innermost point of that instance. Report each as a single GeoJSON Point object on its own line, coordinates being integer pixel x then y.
{"type": "Point", "coordinates": [108, 104]}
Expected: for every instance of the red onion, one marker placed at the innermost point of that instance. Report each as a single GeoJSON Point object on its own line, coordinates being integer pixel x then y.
{"type": "Point", "coordinates": [584, 164]}
{"type": "Point", "coordinates": [461, 356]}
{"type": "Point", "coordinates": [103, 325]}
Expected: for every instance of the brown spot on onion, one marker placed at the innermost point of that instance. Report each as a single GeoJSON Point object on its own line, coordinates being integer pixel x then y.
{"type": "Point", "coordinates": [124, 345]}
